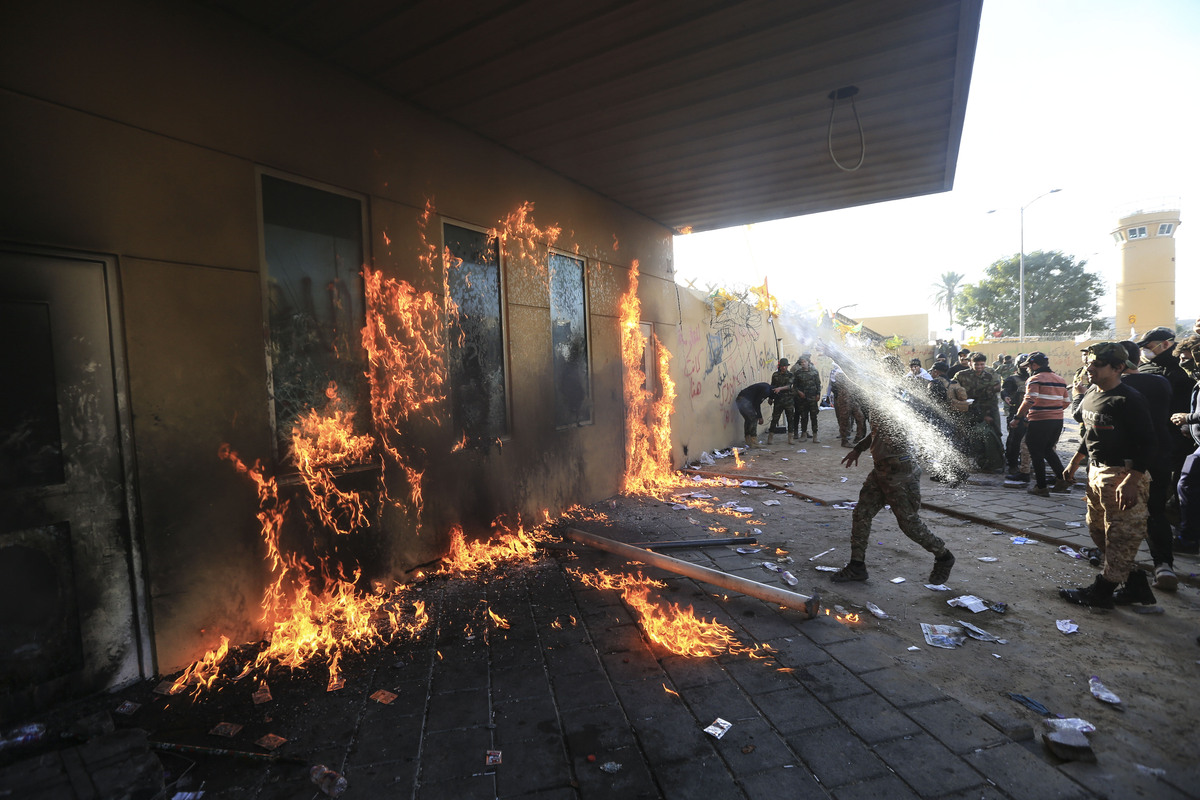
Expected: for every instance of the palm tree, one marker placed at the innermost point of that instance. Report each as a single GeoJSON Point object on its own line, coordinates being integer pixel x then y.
{"type": "Point", "coordinates": [947, 293]}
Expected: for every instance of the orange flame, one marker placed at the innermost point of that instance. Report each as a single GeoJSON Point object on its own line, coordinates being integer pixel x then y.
{"type": "Point", "coordinates": [677, 629]}
{"type": "Point", "coordinates": [737, 459]}
{"type": "Point", "coordinates": [202, 673]}
{"type": "Point", "coordinates": [508, 546]}
{"type": "Point", "coordinates": [647, 420]}
{"type": "Point", "coordinates": [324, 440]}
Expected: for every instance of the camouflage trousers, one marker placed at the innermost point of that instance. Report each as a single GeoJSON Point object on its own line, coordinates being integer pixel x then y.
{"type": "Point", "coordinates": [849, 414]}
{"type": "Point", "coordinates": [899, 487]}
{"type": "Point", "coordinates": [1118, 533]}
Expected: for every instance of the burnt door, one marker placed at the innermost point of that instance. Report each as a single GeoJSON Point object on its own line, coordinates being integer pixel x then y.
{"type": "Point", "coordinates": [67, 616]}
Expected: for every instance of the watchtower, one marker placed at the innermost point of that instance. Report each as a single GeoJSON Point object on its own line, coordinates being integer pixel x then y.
{"type": "Point", "coordinates": [1146, 285]}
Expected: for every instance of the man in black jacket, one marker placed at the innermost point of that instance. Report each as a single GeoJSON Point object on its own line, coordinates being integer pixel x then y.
{"type": "Point", "coordinates": [1159, 358]}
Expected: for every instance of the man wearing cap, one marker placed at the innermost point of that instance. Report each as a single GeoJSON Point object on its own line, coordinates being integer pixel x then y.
{"type": "Point", "coordinates": [785, 398]}
{"type": "Point", "coordinates": [1159, 358]}
{"type": "Point", "coordinates": [749, 405]}
{"type": "Point", "coordinates": [964, 362]}
{"type": "Point", "coordinates": [1118, 439]}
{"type": "Point", "coordinates": [895, 480]}
{"type": "Point", "coordinates": [1188, 487]}
{"type": "Point", "coordinates": [808, 396]}
{"type": "Point", "coordinates": [1004, 366]}
{"type": "Point", "coordinates": [982, 424]}
{"type": "Point", "coordinates": [1042, 411]}
{"type": "Point", "coordinates": [918, 371]}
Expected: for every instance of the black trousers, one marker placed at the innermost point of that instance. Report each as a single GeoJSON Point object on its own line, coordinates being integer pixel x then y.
{"type": "Point", "coordinates": [1012, 446]}
{"type": "Point", "coordinates": [1041, 436]}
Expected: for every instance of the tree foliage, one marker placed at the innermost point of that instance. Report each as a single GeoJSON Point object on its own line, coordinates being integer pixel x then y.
{"type": "Point", "coordinates": [947, 293]}
{"type": "Point", "coordinates": [1060, 296]}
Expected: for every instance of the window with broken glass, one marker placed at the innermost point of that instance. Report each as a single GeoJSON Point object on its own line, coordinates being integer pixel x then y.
{"type": "Point", "coordinates": [475, 332]}
{"type": "Point", "coordinates": [568, 322]}
{"type": "Point", "coordinates": [313, 243]}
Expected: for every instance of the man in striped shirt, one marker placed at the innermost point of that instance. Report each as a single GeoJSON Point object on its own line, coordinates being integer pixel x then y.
{"type": "Point", "coordinates": [1042, 410]}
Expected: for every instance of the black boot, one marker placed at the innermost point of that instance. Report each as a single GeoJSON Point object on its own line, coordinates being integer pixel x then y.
{"type": "Point", "coordinates": [1136, 590]}
{"type": "Point", "coordinates": [1098, 595]}
{"type": "Point", "coordinates": [854, 571]}
{"type": "Point", "coordinates": [941, 568]}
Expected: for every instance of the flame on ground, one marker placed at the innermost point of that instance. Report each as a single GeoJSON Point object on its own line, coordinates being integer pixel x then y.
{"type": "Point", "coordinates": [648, 467]}
{"type": "Point", "coordinates": [845, 619]}
{"type": "Point", "coordinates": [737, 459]}
{"type": "Point", "coordinates": [677, 629]}
{"type": "Point", "coordinates": [508, 545]}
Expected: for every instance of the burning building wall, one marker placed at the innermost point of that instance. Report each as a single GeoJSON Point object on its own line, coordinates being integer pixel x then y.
{"type": "Point", "coordinates": [146, 138]}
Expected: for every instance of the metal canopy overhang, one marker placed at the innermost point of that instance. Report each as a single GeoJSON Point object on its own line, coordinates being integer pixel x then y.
{"type": "Point", "coordinates": [698, 114]}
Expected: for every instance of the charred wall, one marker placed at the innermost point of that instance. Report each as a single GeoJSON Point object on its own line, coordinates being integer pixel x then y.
{"type": "Point", "coordinates": [141, 131]}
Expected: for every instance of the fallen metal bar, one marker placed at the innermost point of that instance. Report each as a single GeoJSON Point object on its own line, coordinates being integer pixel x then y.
{"type": "Point", "coordinates": [195, 749]}
{"type": "Point", "coordinates": [809, 605]}
{"type": "Point", "coordinates": [699, 542]}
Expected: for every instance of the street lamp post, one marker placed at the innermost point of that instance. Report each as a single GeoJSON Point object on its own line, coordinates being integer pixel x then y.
{"type": "Point", "coordinates": [1021, 269]}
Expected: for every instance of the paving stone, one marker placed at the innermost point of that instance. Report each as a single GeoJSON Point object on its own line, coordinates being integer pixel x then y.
{"type": "Point", "coordinates": [519, 683]}
{"type": "Point", "coordinates": [465, 709]}
{"type": "Point", "coordinates": [532, 766]}
{"type": "Point", "coordinates": [826, 630]}
{"type": "Point", "coordinates": [758, 675]}
{"type": "Point", "coordinates": [901, 688]}
{"type": "Point", "coordinates": [618, 638]}
{"type": "Point", "coordinates": [570, 659]}
{"type": "Point", "coordinates": [632, 781]}
{"type": "Point", "coordinates": [443, 753]}
{"type": "Point", "coordinates": [1021, 774]}
{"type": "Point", "coordinates": [954, 726]}
{"type": "Point", "coordinates": [597, 731]}
{"type": "Point", "coordinates": [482, 787]}
{"type": "Point", "coordinates": [873, 718]}
{"type": "Point", "coordinates": [384, 736]}
{"type": "Point", "coordinates": [685, 672]}
{"type": "Point", "coordinates": [794, 710]}
{"type": "Point", "coordinates": [1015, 728]}
{"type": "Point", "coordinates": [524, 720]}
{"type": "Point", "coordinates": [836, 756]}
{"type": "Point", "coordinates": [758, 619]}
{"type": "Point", "coordinates": [510, 654]}
{"type": "Point", "coordinates": [983, 791]}
{"type": "Point", "coordinates": [750, 746]}
{"type": "Point", "coordinates": [797, 651]}
{"type": "Point", "coordinates": [701, 777]}
{"type": "Point", "coordinates": [830, 681]}
{"type": "Point", "coordinates": [632, 666]}
{"type": "Point", "coordinates": [670, 736]}
{"type": "Point", "coordinates": [460, 670]}
{"type": "Point", "coordinates": [888, 786]}
{"type": "Point", "coordinates": [583, 689]}
{"type": "Point", "coordinates": [861, 655]}
{"type": "Point", "coordinates": [724, 699]}
{"type": "Point", "coordinates": [1101, 782]}
{"type": "Point", "coordinates": [792, 781]}
{"type": "Point", "coordinates": [927, 766]}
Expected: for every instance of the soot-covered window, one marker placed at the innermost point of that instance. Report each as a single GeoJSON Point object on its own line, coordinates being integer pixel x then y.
{"type": "Point", "coordinates": [313, 241]}
{"type": "Point", "coordinates": [568, 321]}
{"type": "Point", "coordinates": [475, 331]}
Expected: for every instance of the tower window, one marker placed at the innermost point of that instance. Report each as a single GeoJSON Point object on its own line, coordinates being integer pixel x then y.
{"type": "Point", "coordinates": [1138, 233]}
{"type": "Point", "coordinates": [1166, 229]}
{"type": "Point", "coordinates": [1118, 237]}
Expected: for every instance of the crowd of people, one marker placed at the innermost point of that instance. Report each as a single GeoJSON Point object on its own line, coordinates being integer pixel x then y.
{"type": "Point", "coordinates": [1137, 404]}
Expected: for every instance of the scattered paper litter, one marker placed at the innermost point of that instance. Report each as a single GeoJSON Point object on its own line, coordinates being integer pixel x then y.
{"type": "Point", "coordinates": [823, 553]}
{"type": "Point", "coordinates": [1102, 692]}
{"type": "Point", "coordinates": [781, 491]}
{"type": "Point", "coordinates": [914, 647]}
{"type": "Point", "coordinates": [749, 550]}
{"type": "Point", "coordinates": [1023, 540]}
{"type": "Point", "coordinates": [679, 507]}
{"type": "Point", "coordinates": [770, 502]}
{"type": "Point", "coordinates": [754, 484]}
{"type": "Point", "coordinates": [718, 728]}
{"type": "Point", "coordinates": [897, 580]}
{"type": "Point", "coordinates": [745, 492]}
{"type": "Point", "coordinates": [997, 533]}
{"type": "Point", "coordinates": [1154, 772]}
{"type": "Point", "coordinates": [877, 611]}
{"type": "Point", "coordinates": [226, 729]}
{"type": "Point", "coordinates": [969, 602]}
{"type": "Point", "coordinates": [1067, 625]}
{"type": "Point", "coordinates": [827, 569]}
{"type": "Point", "coordinates": [783, 459]}
{"type": "Point", "coordinates": [844, 479]}
{"type": "Point", "coordinates": [693, 520]}
{"type": "Point", "coordinates": [1074, 524]}
{"type": "Point", "coordinates": [744, 509]}
{"type": "Point", "coordinates": [981, 634]}
{"type": "Point", "coordinates": [270, 741]}
{"type": "Point", "coordinates": [988, 559]}
{"type": "Point", "coordinates": [772, 566]}
{"type": "Point", "coordinates": [801, 451]}
{"type": "Point", "coordinates": [947, 637]}
{"type": "Point", "coordinates": [940, 587]}
{"type": "Point", "coordinates": [1067, 550]}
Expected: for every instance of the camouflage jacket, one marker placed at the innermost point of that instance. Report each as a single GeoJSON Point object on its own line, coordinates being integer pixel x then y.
{"type": "Point", "coordinates": [809, 382]}
{"type": "Point", "coordinates": [787, 397]}
{"type": "Point", "coordinates": [982, 387]}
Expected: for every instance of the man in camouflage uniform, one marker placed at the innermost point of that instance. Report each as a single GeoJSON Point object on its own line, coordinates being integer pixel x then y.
{"type": "Point", "coordinates": [895, 481]}
{"type": "Point", "coordinates": [1005, 367]}
{"type": "Point", "coordinates": [982, 425]}
{"type": "Point", "coordinates": [808, 397]}
{"type": "Point", "coordinates": [785, 398]}
{"type": "Point", "coordinates": [847, 406]}
{"type": "Point", "coordinates": [1118, 440]}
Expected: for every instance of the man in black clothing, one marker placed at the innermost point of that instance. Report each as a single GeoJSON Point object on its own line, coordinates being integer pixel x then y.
{"type": "Point", "coordinates": [1012, 392]}
{"type": "Point", "coordinates": [964, 362]}
{"type": "Point", "coordinates": [1118, 441]}
{"type": "Point", "coordinates": [1159, 358]}
{"type": "Point", "coordinates": [749, 405]}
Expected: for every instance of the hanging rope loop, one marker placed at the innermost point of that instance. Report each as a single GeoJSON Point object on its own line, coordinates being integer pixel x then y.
{"type": "Point", "coordinates": [842, 94]}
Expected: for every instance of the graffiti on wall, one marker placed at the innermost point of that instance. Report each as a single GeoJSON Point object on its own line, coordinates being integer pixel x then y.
{"type": "Point", "coordinates": [726, 353]}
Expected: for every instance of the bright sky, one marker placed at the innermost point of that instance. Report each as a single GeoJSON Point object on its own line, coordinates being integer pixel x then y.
{"type": "Point", "coordinates": [1094, 97]}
